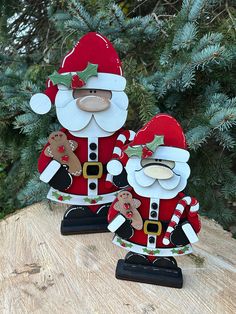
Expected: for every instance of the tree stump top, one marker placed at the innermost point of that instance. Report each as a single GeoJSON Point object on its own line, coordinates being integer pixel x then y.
{"type": "Point", "coordinates": [44, 272]}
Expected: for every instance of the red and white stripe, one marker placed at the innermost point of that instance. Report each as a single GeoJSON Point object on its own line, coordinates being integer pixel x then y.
{"type": "Point", "coordinates": [185, 201]}
{"type": "Point", "coordinates": [124, 137]}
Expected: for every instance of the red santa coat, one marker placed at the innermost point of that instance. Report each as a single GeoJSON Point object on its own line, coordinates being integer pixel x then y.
{"type": "Point", "coordinates": [164, 209]}
{"type": "Point", "coordinates": [80, 193]}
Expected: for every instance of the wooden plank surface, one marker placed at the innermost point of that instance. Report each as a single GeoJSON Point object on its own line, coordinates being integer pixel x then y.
{"type": "Point", "coordinates": [44, 272]}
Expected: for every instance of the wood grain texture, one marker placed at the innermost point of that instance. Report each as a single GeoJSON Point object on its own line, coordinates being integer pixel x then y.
{"type": "Point", "coordinates": [44, 272]}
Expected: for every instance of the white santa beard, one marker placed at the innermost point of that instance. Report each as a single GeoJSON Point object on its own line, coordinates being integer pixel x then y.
{"type": "Point", "coordinates": [75, 120]}
{"type": "Point", "coordinates": [91, 130]}
{"type": "Point", "coordinates": [170, 184]}
{"type": "Point", "coordinates": [156, 189]}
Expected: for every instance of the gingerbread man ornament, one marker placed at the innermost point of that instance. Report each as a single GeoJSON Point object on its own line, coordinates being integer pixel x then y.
{"type": "Point", "coordinates": [62, 150]}
{"type": "Point", "coordinates": [128, 206]}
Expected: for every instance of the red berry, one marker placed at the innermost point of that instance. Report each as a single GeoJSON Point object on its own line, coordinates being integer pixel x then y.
{"type": "Point", "coordinates": [123, 244]}
{"type": "Point", "coordinates": [65, 158]}
{"type": "Point", "coordinates": [77, 82]}
{"type": "Point", "coordinates": [60, 198]}
{"type": "Point", "coordinates": [61, 149]}
{"type": "Point", "coordinates": [180, 252]}
{"type": "Point", "coordinates": [129, 214]}
{"type": "Point", "coordinates": [151, 253]}
{"type": "Point", "coordinates": [93, 201]}
{"type": "Point", "coordinates": [146, 152]}
{"type": "Point", "coordinates": [127, 206]}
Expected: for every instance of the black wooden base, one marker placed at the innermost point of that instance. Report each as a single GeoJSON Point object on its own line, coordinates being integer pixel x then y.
{"type": "Point", "coordinates": [81, 225]}
{"type": "Point", "coordinates": [149, 274]}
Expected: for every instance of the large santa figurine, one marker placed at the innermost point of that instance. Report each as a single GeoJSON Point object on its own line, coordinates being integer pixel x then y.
{"type": "Point", "coordinates": [153, 219]}
{"type": "Point", "coordinates": [91, 105]}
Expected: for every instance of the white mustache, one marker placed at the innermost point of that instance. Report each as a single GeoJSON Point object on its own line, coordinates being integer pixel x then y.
{"type": "Point", "coordinates": [109, 120]}
{"type": "Point", "coordinates": [145, 181]}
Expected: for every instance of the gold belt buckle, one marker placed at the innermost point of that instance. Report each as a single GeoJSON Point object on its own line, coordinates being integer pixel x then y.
{"type": "Point", "coordinates": [92, 176]}
{"type": "Point", "coordinates": [145, 227]}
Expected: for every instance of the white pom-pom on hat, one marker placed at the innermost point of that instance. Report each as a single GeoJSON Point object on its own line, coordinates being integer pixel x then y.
{"type": "Point", "coordinates": [40, 103]}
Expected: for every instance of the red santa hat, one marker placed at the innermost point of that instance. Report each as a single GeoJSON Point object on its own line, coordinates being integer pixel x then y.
{"type": "Point", "coordinates": [92, 48]}
{"type": "Point", "coordinates": [162, 127]}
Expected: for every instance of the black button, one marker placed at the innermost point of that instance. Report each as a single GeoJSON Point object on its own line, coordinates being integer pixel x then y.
{"type": "Point", "coordinates": [92, 186]}
{"type": "Point", "coordinates": [92, 156]}
{"type": "Point", "coordinates": [151, 240]}
{"type": "Point", "coordinates": [153, 214]}
{"type": "Point", "coordinates": [93, 146]}
{"type": "Point", "coordinates": [154, 206]}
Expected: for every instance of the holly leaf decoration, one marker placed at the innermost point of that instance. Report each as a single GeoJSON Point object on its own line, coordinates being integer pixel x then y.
{"type": "Point", "coordinates": [55, 194]}
{"type": "Point", "coordinates": [134, 151]}
{"type": "Point", "coordinates": [57, 78]}
{"type": "Point", "coordinates": [77, 80]}
{"type": "Point", "coordinates": [147, 150]}
{"type": "Point", "coordinates": [180, 250]}
{"type": "Point", "coordinates": [91, 70]}
{"type": "Point", "coordinates": [67, 197]}
{"type": "Point", "coordinates": [124, 244]}
{"type": "Point", "coordinates": [158, 140]}
{"type": "Point", "coordinates": [151, 252]}
{"type": "Point", "coordinates": [63, 197]}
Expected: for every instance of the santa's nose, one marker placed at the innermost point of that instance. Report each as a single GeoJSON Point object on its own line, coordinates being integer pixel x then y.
{"type": "Point", "coordinates": [158, 172]}
{"type": "Point", "coordinates": [93, 103]}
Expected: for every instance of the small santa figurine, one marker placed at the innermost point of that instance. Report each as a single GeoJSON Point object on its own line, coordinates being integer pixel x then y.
{"type": "Point", "coordinates": [153, 219]}
{"type": "Point", "coordinates": [91, 105]}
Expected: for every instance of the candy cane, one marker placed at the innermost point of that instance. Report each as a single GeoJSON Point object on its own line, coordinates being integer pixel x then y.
{"type": "Point", "coordinates": [185, 201]}
{"type": "Point", "coordinates": [125, 136]}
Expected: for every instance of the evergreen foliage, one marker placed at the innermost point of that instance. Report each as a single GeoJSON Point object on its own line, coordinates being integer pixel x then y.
{"type": "Point", "coordinates": [178, 58]}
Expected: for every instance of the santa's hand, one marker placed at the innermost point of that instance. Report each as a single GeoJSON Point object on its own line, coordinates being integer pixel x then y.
{"type": "Point", "coordinates": [121, 226]}
{"type": "Point", "coordinates": [62, 180]}
{"type": "Point", "coordinates": [114, 167]}
{"type": "Point", "coordinates": [57, 176]}
{"type": "Point", "coordinates": [126, 230]}
{"type": "Point", "coordinates": [183, 234]}
{"type": "Point", "coordinates": [178, 237]}
{"type": "Point", "coordinates": [121, 181]}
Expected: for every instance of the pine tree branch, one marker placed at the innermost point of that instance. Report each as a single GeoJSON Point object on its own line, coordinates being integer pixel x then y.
{"type": "Point", "coordinates": [230, 15]}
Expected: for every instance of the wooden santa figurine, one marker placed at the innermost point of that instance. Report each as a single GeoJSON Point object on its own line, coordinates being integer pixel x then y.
{"type": "Point", "coordinates": [153, 219]}
{"type": "Point", "coordinates": [91, 105]}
